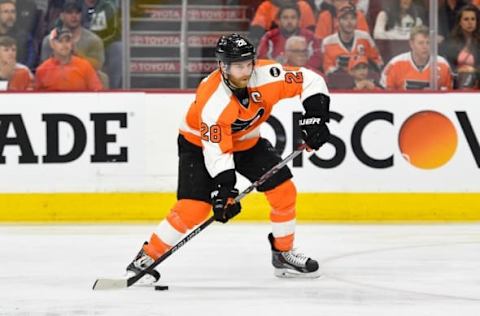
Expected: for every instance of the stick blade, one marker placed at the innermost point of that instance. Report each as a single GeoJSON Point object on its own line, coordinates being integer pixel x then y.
{"type": "Point", "coordinates": [110, 284]}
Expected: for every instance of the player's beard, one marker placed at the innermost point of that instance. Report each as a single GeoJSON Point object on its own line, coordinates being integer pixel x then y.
{"type": "Point", "coordinates": [240, 82]}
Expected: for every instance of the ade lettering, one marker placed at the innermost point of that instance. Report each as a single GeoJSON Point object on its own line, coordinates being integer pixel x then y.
{"type": "Point", "coordinates": [102, 138]}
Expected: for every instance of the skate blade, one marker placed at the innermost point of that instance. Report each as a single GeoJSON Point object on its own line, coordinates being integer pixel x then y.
{"type": "Point", "coordinates": [293, 274]}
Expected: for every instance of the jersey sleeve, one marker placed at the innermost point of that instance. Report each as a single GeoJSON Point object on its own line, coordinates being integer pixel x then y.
{"type": "Point", "coordinates": [216, 118]}
{"type": "Point", "coordinates": [302, 82]}
{"type": "Point", "coordinates": [373, 53]}
{"type": "Point", "coordinates": [387, 80]}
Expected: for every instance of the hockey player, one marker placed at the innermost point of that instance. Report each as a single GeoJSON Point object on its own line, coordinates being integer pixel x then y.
{"type": "Point", "coordinates": [220, 135]}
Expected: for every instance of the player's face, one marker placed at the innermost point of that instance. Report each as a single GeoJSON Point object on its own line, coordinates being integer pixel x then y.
{"type": "Point", "coordinates": [347, 23]}
{"type": "Point", "coordinates": [63, 47]}
{"type": "Point", "coordinates": [8, 15]}
{"type": "Point", "coordinates": [239, 73]}
{"type": "Point", "coordinates": [468, 21]}
{"type": "Point", "coordinates": [420, 46]}
{"type": "Point", "coordinates": [8, 54]}
{"type": "Point", "coordinates": [297, 54]}
{"type": "Point", "coordinates": [289, 20]}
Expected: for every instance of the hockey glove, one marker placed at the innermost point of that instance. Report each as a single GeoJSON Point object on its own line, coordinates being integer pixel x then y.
{"type": "Point", "coordinates": [315, 131]}
{"type": "Point", "coordinates": [224, 206]}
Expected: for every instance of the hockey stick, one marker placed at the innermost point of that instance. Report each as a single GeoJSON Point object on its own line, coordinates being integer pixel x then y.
{"type": "Point", "coordinates": [109, 284]}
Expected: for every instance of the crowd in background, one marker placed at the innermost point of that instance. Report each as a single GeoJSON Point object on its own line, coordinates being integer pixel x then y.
{"type": "Point", "coordinates": [59, 45]}
{"type": "Point", "coordinates": [372, 44]}
{"type": "Point", "coordinates": [355, 44]}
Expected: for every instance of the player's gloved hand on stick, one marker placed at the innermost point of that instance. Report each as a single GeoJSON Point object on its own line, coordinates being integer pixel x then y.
{"type": "Point", "coordinates": [315, 131]}
{"type": "Point", "coordinates": [224, 206]}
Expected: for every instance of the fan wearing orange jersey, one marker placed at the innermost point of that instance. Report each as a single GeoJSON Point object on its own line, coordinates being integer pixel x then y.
{"type": "Point", "coordinates": [411, 70]}
{"type": "Point", "coordinates": [348, 41]}
{"type": "Point", "coordinates": [220, 135]}
{"type": "Point", "coordinates": [13, 76]}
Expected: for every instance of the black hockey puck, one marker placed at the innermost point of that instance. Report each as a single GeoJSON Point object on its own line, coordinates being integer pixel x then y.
{"type": "Point", "coordinates": [161, 287]}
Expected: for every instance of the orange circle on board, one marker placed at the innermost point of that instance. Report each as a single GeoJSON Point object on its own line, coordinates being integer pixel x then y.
{"type": "Point", "coordinates": [428, 140]}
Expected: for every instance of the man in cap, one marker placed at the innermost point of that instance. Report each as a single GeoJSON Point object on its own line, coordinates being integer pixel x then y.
{"type": "Point", "coordinates": [338, 47]}
{"type": "Point", "coordinates": [86, 43]}
{"type": "Point", "coordinates": [64, 71]}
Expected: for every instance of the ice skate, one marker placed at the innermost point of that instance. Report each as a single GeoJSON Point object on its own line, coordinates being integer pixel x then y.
{"type": "Point", "coordinates": [290, 264]}
{"type": "Point", "coordinates": [141, 262]}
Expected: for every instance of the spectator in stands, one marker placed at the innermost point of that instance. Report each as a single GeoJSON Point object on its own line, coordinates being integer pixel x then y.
{"type": "Point", "coordinates": [337, 48]}
{"type": "Point", "coordinates": [272, 44]}
{"type": "Point", "coordinates": [462, 47]}
{"type": "Point", "coordinates": [13, 76]}
{"type": "Point", "coordinates": [102, 18]}
{"type": "Point", "coordinates": [9, 26]}
{"type": "Point", "coordinates": [397, 20]}
{"type": "Point", "coordinates": [411, 70]}
{"type": "Point", "coordinates": [267, 13]}
{"type": "Point", "coordinates": [296, 52]}
{"type": "Point", "coordinates": [64, 71]}
{"type": "Point", "coordinates": [447, 12]}
{"type": "Point", "coordinates": [86, 43]}
{"type": "Point", "coordinates": [358, 70]}
{"type": "Point", "coordinates": [327, 23]}
{"type": "Point", "coordinates": [30, 20]}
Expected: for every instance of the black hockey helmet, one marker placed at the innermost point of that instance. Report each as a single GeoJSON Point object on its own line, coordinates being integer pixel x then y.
{"type": "Point", "coordinates": [234, 47]}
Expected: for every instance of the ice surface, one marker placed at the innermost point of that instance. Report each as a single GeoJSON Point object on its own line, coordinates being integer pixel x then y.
{"type": "Point", "coordinates": [367, 270]}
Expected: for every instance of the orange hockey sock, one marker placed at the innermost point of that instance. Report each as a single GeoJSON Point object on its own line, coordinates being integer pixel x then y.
{"type": "Point", "coordinates": [282, 215]}
{"type": "Point", "coordinates": [184, 215]}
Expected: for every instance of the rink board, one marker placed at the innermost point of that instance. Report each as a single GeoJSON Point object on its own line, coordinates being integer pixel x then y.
{"type": "Point", "coordinates": [113, 157]}
{"type": "Point", "coordinates": [332, 207]}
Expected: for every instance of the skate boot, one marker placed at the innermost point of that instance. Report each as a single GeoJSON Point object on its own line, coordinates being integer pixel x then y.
{"type": "Point", "coordinates": [290, 264]}
{"type": "Point", "coordinates": [140, 263]}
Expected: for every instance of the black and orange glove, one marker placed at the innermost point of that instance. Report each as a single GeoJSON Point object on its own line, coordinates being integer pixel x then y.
{"type": "Point", "coordinates": [223, 197]}
{"type": "Point", "coordinates": [224, 205]}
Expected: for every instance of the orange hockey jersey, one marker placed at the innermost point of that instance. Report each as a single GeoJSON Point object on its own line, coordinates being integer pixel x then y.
{"type": "Point", "coordinates": [336, 55]}
{"type": "Point", "coordinates": [219, 123]}
{"type": "Point", "coordinates": [401, 73]}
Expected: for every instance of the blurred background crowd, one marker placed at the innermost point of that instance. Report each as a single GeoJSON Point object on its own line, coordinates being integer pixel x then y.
{"type": "Point", "coordinates": [91, 45]}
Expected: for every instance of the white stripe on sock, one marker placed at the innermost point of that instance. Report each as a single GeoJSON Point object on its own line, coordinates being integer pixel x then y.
{"type": "Point", "coordinates": [167, 233]}
{"type": "Point", "coordinates": [283, 229]}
